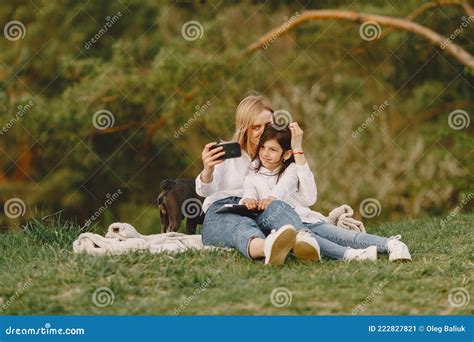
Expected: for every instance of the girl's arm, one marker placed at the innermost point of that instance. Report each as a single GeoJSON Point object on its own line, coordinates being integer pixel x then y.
{"type": "Point", "coordinates": [308, 192]}
{"type": "Point", "coordinates": [250, 195]}
{"type": "Point", "coordinates": [287, 184]}
{"type": "Point", "coordinates": [250, 190]}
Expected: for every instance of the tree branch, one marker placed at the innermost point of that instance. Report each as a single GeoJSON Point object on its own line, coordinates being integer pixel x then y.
{"type": "Point", "coordinates": [433, 37]}
{"type": "Point", "coordinates": [429, 5]}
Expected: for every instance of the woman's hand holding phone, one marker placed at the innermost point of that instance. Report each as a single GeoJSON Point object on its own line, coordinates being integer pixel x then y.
{"type": "Point", "coordinates": [209, 158]}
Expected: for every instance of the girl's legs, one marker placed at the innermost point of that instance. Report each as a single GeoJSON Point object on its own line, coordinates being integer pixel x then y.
{"type": "Point", "coordinates": [278, 214]}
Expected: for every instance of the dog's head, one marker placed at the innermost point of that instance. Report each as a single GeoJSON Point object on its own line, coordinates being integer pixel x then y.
{"type": "Point", "coordinates": [167, 184]}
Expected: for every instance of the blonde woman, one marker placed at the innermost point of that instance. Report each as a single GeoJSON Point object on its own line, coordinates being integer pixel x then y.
{"type": "Point", "coordinates": [272, 235]}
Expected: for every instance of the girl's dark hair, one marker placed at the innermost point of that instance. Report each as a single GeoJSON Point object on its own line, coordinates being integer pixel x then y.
{"type": "Point", "coordinates": [283, 137]}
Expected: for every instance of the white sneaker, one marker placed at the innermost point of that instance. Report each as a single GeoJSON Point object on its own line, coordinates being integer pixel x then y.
{"type": "Point", "coordinates": [369, 253]}
{"type": "Point", "coordinates": [397, 250]}
{"type": "Point", "coordinates": [306, 247]}
{"type": "Point", "coordinates": [278, 244]}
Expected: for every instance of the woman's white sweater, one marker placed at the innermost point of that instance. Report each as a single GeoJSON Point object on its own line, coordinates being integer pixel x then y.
{"type": "Point", "coordinates": [227, 180]}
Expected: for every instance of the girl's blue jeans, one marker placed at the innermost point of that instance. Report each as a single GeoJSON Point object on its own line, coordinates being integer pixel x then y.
{"type": "Point", "coordinates": [236, 231]}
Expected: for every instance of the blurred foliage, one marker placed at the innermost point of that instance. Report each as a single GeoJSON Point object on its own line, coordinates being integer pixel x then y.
{"type": "Point", "coordinates": [154, 81]}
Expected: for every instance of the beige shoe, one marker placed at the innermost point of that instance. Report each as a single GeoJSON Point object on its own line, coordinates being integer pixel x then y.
{"type": "Point", "coordinates": [306, 247]}
{"type": "Point", "coordinates": [278, 244]}
{"type": "Point", "coordinates": [369, 253]}
{"type": "Point", "coordinates": [397, 250]}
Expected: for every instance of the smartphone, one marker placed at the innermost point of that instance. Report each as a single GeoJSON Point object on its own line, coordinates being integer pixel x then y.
{"type": "Point", "coordinates": [231, 149]}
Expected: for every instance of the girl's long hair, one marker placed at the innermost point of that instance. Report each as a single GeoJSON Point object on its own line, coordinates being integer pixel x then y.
{"type": "Point", "coordinates": [246, 111]}
{"type": "Point", "coordinates": [283, 137]}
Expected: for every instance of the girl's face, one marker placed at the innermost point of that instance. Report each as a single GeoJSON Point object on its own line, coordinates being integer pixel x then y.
{"type": "Point", "coordinates": [271, 154]}
{"type": "Point", "coordinates": [255, 130]}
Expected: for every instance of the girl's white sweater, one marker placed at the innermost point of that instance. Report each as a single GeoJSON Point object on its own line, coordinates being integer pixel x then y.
{"type": "Point", "coordinates": [296, 186]}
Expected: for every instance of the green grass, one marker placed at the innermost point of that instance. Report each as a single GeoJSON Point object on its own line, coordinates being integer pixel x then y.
{"type": "Point", "coordinates": [60, 282]}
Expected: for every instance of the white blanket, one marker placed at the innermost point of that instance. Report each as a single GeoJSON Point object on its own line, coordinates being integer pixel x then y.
{"type": "Point", "coordinates": [123, 238]}
{"type": "Point", "coordinates": [342, 218]}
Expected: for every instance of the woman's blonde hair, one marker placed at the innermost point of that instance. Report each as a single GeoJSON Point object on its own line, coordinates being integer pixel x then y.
{"type": "Point", "coordinates": [246, 111]}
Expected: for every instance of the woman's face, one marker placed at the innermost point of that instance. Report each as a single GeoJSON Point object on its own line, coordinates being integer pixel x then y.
{"type": "Point", "coordinates": [255, 130]}
{"type": "Point", "coordinates": [270, 154]}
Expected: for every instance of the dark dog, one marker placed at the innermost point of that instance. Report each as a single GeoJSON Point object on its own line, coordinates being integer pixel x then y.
{"type": "Point", "coordinates": [177, 200]}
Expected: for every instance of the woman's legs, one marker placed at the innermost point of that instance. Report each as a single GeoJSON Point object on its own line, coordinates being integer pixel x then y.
{"type": "Point", "coordinates": [348, 238]}
{"type": "Point", "coordinates": [230, 230]}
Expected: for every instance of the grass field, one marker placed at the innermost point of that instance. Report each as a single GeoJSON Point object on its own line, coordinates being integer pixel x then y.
{"type": "Point", "coordinates": [41, 275]}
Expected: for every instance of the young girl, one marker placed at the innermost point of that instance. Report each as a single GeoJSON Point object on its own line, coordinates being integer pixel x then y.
{"type": "Point", "coordinates": [282, 174]}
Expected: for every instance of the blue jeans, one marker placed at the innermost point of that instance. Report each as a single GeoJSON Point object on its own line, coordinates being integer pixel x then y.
{"type": "Point", "coordinates": [334, 241]}
{"type": "Point", "coordinates": [236, 231]}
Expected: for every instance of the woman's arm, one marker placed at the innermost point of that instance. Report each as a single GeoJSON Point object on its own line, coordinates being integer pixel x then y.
{"type": "Point", "coordinates": [209, 178]}
{"type": "Point", "coordinates": [206, 189]}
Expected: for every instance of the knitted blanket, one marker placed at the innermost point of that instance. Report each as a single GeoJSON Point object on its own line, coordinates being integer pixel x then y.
{"type": "Point", "coordinates": [123, 238]}
{"type": "Point", "coordinates": [342, 218]}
